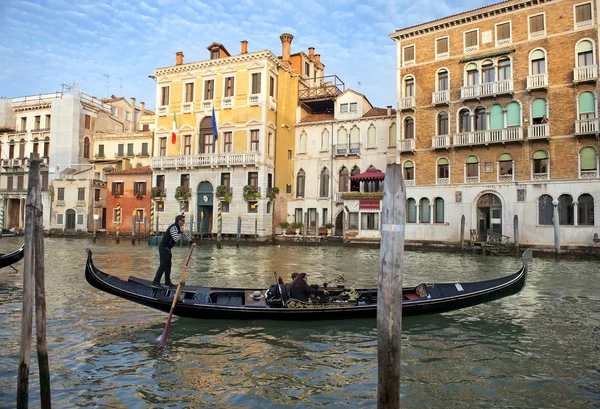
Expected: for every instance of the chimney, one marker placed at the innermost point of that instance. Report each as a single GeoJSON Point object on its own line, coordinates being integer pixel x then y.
{"type": "Point", "coordinates": [179, 58]}
{"type": "Point", "coordinates": [318, 58]}
{"type": "Point", "coordinates": [142, 110]}
{"type": "Point", "coordinates": [389, 110]}
{"type": "Point", "coordinates": [286, 42]}
{"type": "Point", "coordinates": [132, 122]}
{"type": "Point", "coordinates": [311, 52]}
{"type": "Point", "coordinates": [244, 46]}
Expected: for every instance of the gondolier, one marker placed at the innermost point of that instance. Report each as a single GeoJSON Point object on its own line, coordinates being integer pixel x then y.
{"type": "Point", "coordinates": [172, 235]}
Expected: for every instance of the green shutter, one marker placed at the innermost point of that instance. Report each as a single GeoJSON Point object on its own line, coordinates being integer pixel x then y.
{"type": "Point", "coordinates": [513, 114]}
{"type": "Point", "coordinates": [409, 164]}
{"type": "Point", "coordinates": [496, 117]}
{"type": "Point", "coordinates": [443, 161]}
{"type": "Point", "coordinates": [411, 214]}
{"type": "Point", "coordinates": [584, 46]}
{"type": "Point", "coordinates": [472, 159]}
{"type": "Point", "coordinates": [537, 55]}
{"type": "Point", "coordinates": [588, 158]}
{"type": "Point", "coordinates": [540, 155]}
{"type": "Point", "coordinates": [539, 108]}
{"type": "Point", "coordinates": [586, 102]}
{"type": "Point", "coordinates": [505, 156]}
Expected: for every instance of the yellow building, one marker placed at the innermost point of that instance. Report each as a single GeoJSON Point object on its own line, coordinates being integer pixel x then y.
{"type": "Point", "coordinates": [254, 96]}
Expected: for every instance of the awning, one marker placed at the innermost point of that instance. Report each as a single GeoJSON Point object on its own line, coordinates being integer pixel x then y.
{"type": "Point", "coordinates": [370, 174]}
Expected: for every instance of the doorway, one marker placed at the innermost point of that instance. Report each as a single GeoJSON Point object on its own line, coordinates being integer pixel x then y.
{"type": "Point", "coordinates": [205, 207]}
{"type": "Point", "coordinates": [339, 224]}
{"type": "Point", "coordinates": [489, 215]}
{"type": "Point", "coordinates": [70, 220]}
{"type": "Point", "coordinates": [14, 213]}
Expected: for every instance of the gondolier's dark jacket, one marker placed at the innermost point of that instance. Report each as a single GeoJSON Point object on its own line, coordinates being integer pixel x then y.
{"type": "Point", "coordinates": [172, 235]}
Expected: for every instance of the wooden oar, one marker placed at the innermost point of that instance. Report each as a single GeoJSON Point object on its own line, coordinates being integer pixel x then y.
{"type": "Point", "coordinates": [163, 337]}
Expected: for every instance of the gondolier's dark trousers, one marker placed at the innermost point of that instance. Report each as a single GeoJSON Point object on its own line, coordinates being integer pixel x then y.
{"type": "Point", "coordinates": [165, 265]}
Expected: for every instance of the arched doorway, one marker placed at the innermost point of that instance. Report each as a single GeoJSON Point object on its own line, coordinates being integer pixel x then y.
{"type": "Point", "coordinates": [339, 224]}
{"type": "Point", "coordinates": [205, 207]}
{"type": "Point", "coordinates": [70, 219]}
{"type": "Point", "coordinates": [489, 214]}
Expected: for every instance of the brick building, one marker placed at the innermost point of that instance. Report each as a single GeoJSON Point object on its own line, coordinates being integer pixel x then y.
{"type": "Point", "coordinates": [128, 191]}
{"type": "Point", "coordinates": [498, 119]}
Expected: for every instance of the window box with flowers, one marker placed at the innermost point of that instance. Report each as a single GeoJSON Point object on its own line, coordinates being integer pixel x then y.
{"type": "Point", "coordinates": [224, 193]}
{"type": "Point", "coordinates": [157, 192]}
{"type": "Point", "coordinates": [182, 194]}
{"type": "Point", "coordinates": [251, 194]}
{"type": "Point", "coordinates": [139, 195]}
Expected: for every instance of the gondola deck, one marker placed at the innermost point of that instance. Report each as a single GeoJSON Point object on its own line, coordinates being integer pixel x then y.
{"type": "Point", "coordinates": [343, 303]}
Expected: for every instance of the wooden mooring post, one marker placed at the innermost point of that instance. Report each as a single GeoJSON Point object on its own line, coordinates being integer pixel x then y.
{"type": "Point", "coordinates": [556, 229]}
{"type": "Point", "coordinates": [389, 289]}
{"type": "Point", "coordinates": [462, 233]}
{"type": "Point", "coordinates": [33, 267]}
{"type": "Point", "coordinates": [516, 233]}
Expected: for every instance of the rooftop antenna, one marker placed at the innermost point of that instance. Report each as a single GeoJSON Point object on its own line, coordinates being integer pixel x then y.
{"type": "Point", "coordinates": [107, 85]}
{"type": "Point", "coordinates": [67, 88]}
{"type": "Point", "coordinates": [121, 86]}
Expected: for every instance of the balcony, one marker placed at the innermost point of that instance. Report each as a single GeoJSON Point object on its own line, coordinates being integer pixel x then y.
{"type": "Point", "coordinates": [469, 180]}
{"type": "Point", "coordinates": [60, 203]}
{"type": "Point", "coordinates": [539, 131]}
{"type": "Point", "coordinates": [345, 149]}
{"type": "Point", "coordinates": [205, 160]}
{"type": "Point", "coordinates": [587, 126]}
{"type": "Point", "coordinates": [227, 103]}
{"type": "Point", "coordinates": [409, 182]}
{"type": "Point", "coordinates": [442, 181]}
{"type": "Point", "coordinates": [15, 163]}
{"type": "Point", "coordinates": [537, 81]}
{"type": "Point", "coordinates": [187, 107]}
{"type": "Point", "coordinates": [6, 163]}
{"type": "Point", "coordinates": [513, 134]}
{"type": "Point", "coordinates": [585, 74]}
{"type": "Point", "coordinates": [254, 100]}
{"type": "Point", "coordinates": [440, 142]}
{"type": "Point", "coordinates": [406, 103]}
{"type": "Point", "coordinates": [488, 89]}
{"type": "Point", "coordinates": [588, 174]}
{"type": "Point", "coordinates": [99, 156]}
{"type": "Point", "coordinates": [440, 97]}
{"type": "Point", "coordinates": [206, 105]}
{"type": "Point", "coordinates": [407, 145]}
{"type": "Point", "coordinates": [540, 176]}
{"type": "Point", "coordinates": [40, 130]}
{"type": "Point", "coordinates": [80, 203]}
{"type": "Point", "coordinates": [163, 110]}
{"type": "Point", "coordinates": [273, 103]}
{"type": "Point", "coordinates": [143, 155]}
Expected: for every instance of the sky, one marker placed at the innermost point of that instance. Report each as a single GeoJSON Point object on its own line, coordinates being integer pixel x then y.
{"type": "Point", "coordinates": [111, 46]}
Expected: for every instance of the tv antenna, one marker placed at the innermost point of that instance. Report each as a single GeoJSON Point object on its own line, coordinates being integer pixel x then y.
{"type": "Point", "coordinates": [121, 86]}
{"type": "Point", "coordinates": [107, 85]}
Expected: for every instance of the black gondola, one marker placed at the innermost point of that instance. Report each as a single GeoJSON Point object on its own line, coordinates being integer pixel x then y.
{"type": "Point", "coordinates": [11, 258]}
{"type": "Point", "coordinates": [342, 303]}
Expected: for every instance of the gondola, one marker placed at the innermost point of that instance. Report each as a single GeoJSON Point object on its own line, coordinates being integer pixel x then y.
{"type": "Point", "coordinates": [11, 258]}
{"type": "Point", "coordinates": [342, 303]}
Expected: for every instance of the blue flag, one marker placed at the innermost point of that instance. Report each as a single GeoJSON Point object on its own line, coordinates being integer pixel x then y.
{"type": "Point", "coordinates": [214, 125]}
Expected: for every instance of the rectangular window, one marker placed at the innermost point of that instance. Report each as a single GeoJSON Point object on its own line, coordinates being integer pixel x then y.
{"type": "Point", "coordinates": [189, 92]}
{"type": "Point", "coordinates": [256, 83]}
{"type": "Point", "coordinates": [306, 69]}
{"type": "Point", "coordinates": [187, 144]}
{"type": "Point", "coordinates": [11, 151]}
{"type": "Point", "coordinates": [120, 149]}
{"type": "Point", "coordinates": [209, 88]}
{"type": "Point", "coordinates": [229, 83]}
{"type": "Point", "coordinates": [254, 140]}
{"type": "Point", "coordinates": [271, 86]}
{"type": "Point", "coordinates": [369, 221]}
{"type": "Point", "coordinates": [139, 187]}
{"type": "Point", "coordinates": [443, 172]}
{"type": "Point", "coordinates": [24, 123]}
{"type": "Point", "coordinates": [353, 220]}
{"type": "Point", "coordinates": [227, 141]}
{"type": "Point", "coordinates": [81, 194]}
{"type": "Point", "coordinates": [269, 142]}
{"type": "Point", "coordinates": [226, 179]}
{"type": "Point", "coordinates": [117, 188]}
{"type": "Point", "coordinates": [298, 215]}
{"type": "Point", "coordinates": [325, 217]}
{"type": "Point", "coordinates": [59, 219]}
{"type": "Point", "coordinates": [144, 148]}
{"type": "Point", "coordinates": [164, 96]}
{"type": "Point", "coordinates": [506, 167]}
{"type": "Point", "coordinates": [208, 143]}
{"type": "Point", "coordinates": [80, 219]}
{"type": "Point", "coordinates": [441, 47]}
{"type": "Point", "coordinates": [353, 106]}
{"type": "Point", "coordinates": [88, 122]}
{"type": "Point", "coordinates": [503, 33]}
{"type": "Point", "coordinates": [185, 181]}
{"type": "Point", "coordinates": [160, 182]}
{"type": "Point", "coordinates": [45, 182]}
{"type": "Point", "coordinates": [253, 179]}
{"type": "Point", "coordinates": [536, 24]}
{"type": "Point", "coordinates": [60, 194]}
{"type": "Point", "coordinates": [38, 122]}
{"type": "Point", "coordinates": [343, 108]}
{"type": "Point", "coordinates": [20, 182]}
{"type": "Point", "coordinates": [540, 165]}
{"type": "Point", "coordinates": [408, 55]}
{"type": "Point", "coordinates": [472, 170]}
{"type": "Point", "coordinates": [163, 147]}
{"type": "Point", "coordinates": [48, 119]}
{"type": "Point", "coordinates": [127, 116]}
{"type": "Point", "coordinates": [36, 147]}
{"type": "Point", "coordinates": [471, 41]}
{"type": "Point", "coordinates": [9, 183]}
{"type": "Point", "coordinates": [583, 12]}
{"type": "Point", "coordinates": [129, 149]}
{"type": "Point", "coordinates": [46, 148]}
{"type": "Point", "coordinates": [101, 151]}
{"type": "Point", "coordinates": [97, 195]}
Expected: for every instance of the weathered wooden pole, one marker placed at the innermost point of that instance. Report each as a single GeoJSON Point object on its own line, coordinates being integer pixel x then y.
{"type": "Point", "coordinates": [239, 228]}
{"type": "Point", "coordinates": [201, 224]}
{"type": "Point", "coordinates": [389, 289]}
{"type": "Point", "coordinates": [462, 233]}
{"type": "Point", "coordinates": [133, 227]}
{"type": "Point", "coordinates": [516, 232]}
{"type": "Point", "coordinates": [118, 222]}
{"type": "Point", "coordinates": [152, 218]}
{"type": "Point", "coordinates": [157, 220]}
{"type": "Point", "coordinates": [95, 226]}
{"type": "Point", "coordinates": [219, 223]}
{"type": "Point", "coordinates": [256, 227]}
{"type": "Point", "coordinates": [556, 229]}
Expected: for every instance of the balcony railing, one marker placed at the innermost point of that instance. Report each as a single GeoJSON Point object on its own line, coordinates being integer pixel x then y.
{"type": "Point", "coordinates": [587, 73]}
{"type": "Point", "coordinates": [471, 179]}
{"type": "Point", "coordinates": [406, 103]}
{"type": "Point", "coordinates": [273, 103]}
{"type": "Point", "coordinates": [409, 182]}
{"type": "Point", "coordinates": [540, 176]}
{"type": "Point", "coordinates": [254, 99]}
{"type": "Point", "coordinates": [187, 107]}
{"type": "Point", "coordinates": [589, 174]}
{"type": "Point", "coordinates": [440, 97]}
{"type": "Point", "coordinates": [206, 105]}
{"type": "Point", "coordinates": [586, 126]}
{"type": "Point", "coordinates": [407, 145]}
{"type": "Point", "coordinates": [99, 156]}
{"type": "Point", "coordinates": [443, 181]}
{"type": "Point", "coordinates": [40, 130]}
{"type": "Point", "coordinates": [505, 178]}
{"type": "Point", "coordinates": [163, 110]}
{"type": "Point", "coordinates": [488, 89]}
{"type": "Point", "coordinates": [537, 81]}
{"type": "Point", "coordinates": [539, 131]}
{"type": "Point", "coordinates": [227, 103]}
{"type": "Point", "coordinates": [203, 160]}
{"type": "Point", "coordinates": [345, 149]}
{"type": "Point", "coordinates": [490, 136]}
{"type": "Point", "coordinates": [440, 142]}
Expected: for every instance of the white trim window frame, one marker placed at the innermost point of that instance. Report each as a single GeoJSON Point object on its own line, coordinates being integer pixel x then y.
{"type": "Point", "coordinates": [214, 91]}
{"type": "Point", "coordinates": [408, 63]}
{"type": "Point", "coordinates": [584, 24]}
{"type": "Point", "coordinates": [472, 48]}
{"type": "Point", "coordinates": [442, 55]}
{"type": "Point", "coordinates": [532, 35]}
{"type": "Point", "coordinates": [504, 41]}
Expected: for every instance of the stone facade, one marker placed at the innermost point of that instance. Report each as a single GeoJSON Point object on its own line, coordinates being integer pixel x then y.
{"type": "Point", "coordinates": [128, 196]}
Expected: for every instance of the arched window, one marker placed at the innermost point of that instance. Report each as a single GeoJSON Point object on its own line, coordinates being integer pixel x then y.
{"type": "Point", "coordinates": [392, 136]}
{"type": "Point", "coordinates": [487, 72]}
{"type": "Point", "coordinates": [409, 171]}
{"type": "Point", "coordinates": [409, 86]}
{"type": "Point", "coordinates": [565, 210]}
{"type": "Point", "coordinates": [11, 149]}
{"type": "Point", "coordinates": [538, 111]}
{"type": "Point", "coordinates": [540, 165]}
{"type": "Point", "coordinates": [505, 167]}
{"type": "Point", "coordinates": [513, 114]}
{"type": "Point", "coordinates": [504, 69]}
{"type": "Point", "coordinates": [442, 128]}
{"type": "Point", "coordinates": [587, 105]}
{"type": "Point", "coordinates": [409, 128]}
{"type": "Point", "coordinates": [472, 169]}
{"type": "Point", "coordinates": [545, 210]}
{"type": "Point", "coordinates": [443, 171]}
{"type": "Point", "coordinates": [496, 117]}
{"type": "Point", "coordinates": [372, 136]}
{"type": "Point", "coordinates": [464, 124]}
{"type": "Point", "coordinates": [480, 119]}
{"type": "Point", "coordinates": [438, 208]}
{"type": "Point", "coordinates": [300, 183]}
{"type": "Point", "coordinates": [302, 143]}
{"type": "Point", "coordinates": [472, 75]}
{"type": "Point", "coordinates": [22, 149]}
{"type": "Point", "coordinates": [86, 147]}
{"type": "Point", "coordinates": [343, 184]}
{"type": "Point", "coordinates": [585, 210]}
{"type": "Point", "coordinates": [46, 146]}
{"type": "Point", "coordinates": [424, 211]}
{"type": "Point", "coordinates": [355, 184]}
{"type": "Point", "coordinates": [324, 188]}
{"type": "Point", "coordinates": [585, 53]}
{"type": "Point", "coordinates": [442, 80]}
{"type": "Point", "coordinates": [36, 145]}
{"type": "Point", "coordinates": [325, 140]}
{"type": "Point", "coordinates": [538, 62]}
{"type": "Point", "coordinates": [588, 163]}
{"type": "Point", "coordinates": [342, 136]}
{"type": "Point", "coordinates": [411, 211]}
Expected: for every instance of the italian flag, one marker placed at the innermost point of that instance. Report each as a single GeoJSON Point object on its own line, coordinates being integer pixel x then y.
{"type": "Point", "coordinates": [174, 132]}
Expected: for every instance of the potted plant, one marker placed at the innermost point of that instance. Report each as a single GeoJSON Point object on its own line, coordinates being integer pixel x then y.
{"type": "Point", "coordinates": [329, 227]}
{"type": "Point", "coordinates": [297, 226]}
{"type": "Point", "coordinates": [224, 193]}
{"type": "Point", "coordinates": [182, 194]}
{"type": "Point", "coordinates": [284, 226]}
{"type": "Point", "coordinates": [272, 193]}
{"type": "Point", "coordinates": [251, 194]}
{"type": "Point", "coordinates": [157, 192]}
{"type": "Point", "coordinates": [139, 195]}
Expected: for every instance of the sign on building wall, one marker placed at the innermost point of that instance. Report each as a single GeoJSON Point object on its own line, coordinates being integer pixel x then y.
{"type": "Point", "coordinates": [369, 204]}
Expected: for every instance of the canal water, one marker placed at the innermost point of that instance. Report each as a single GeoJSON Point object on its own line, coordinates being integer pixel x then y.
{"type": "Point", "coordinates": [538, 349]}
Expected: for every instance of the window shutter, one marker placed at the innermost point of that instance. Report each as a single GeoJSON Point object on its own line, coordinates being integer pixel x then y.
{"type": "Point", "coordinates": [505, 156]}
{"type": "Point", "coordinates": [513, 114]}
{"type": "Point", "coordinates": [540, 155]}
{"type": "Point", "coordinates": [472, 159]}
{"type": "Point", "coordinates": [503, 31]}
{"type": "Point", "coordinates": [536, 23]}
{"type": "Point", "coordinates": [471, 38]}
{"type": "Point", "coordinates": [583, 12]}
{"type": "Point", "coordinates": [409, 53]}
{"type": "Point", "coordinates": [409, 164]}
{"type": "Point", "coordinates": [539, 108]}
{"type": "Point", "coordinates": [442, 45]}
{"type": "Point", "coordinates": [586, 102]}
{"type": "Point", "coordinates": [588, 158]}
{"type": "Point", "coordinates": [443, 161]}
{"type": "Point", "coordinates": [496, 117]}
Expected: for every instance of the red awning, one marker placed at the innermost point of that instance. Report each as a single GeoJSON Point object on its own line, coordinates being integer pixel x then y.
{"type": "Point", "coordinates": [370, 174]}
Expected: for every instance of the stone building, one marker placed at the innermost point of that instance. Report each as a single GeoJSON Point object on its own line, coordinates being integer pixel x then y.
{"type": "Point", "coordinates": [498, 121]}
{"type": "Point", "coordinates": [128, 196]}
